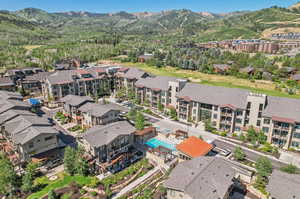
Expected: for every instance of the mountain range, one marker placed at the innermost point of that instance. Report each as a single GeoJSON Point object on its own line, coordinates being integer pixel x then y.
{"type": "Point", "coordinates": [33, 25]}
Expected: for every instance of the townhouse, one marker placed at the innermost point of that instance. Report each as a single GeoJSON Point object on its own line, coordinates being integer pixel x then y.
{"type": "Point", "coordinates": [94, 114]}
{"type": "Point", "coordinates": [71, 105]}
{"type": "Point", "coordinates": [157, 90]}
{"type": "Point", "coordinates": [109, 145]}
{"type": "Point", "coordinates": [233, 110]}
{"type": "Point", "coordinates": [24, 133]}
{"type": "Point", "coordinates": [203, 177]}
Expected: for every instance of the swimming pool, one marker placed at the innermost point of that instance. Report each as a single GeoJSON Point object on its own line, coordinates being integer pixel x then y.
{"type": "Point", "coordinates": [154, 143]}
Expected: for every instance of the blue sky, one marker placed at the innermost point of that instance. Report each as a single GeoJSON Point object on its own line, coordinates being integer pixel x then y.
{"type": "Point", "coordinates": [104, 6]}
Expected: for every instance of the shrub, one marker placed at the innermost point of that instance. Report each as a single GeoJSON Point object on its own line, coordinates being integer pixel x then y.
{"type": "Point", "coordinates": [292, 169]}
{"type": "Point", "coordinates": [94, 193]}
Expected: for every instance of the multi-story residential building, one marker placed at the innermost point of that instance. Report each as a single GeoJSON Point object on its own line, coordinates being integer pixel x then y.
{"type": "Point", "coordinates": [127, 77]}
{"type": "Point", "coordinates": [91, 81]}
{"type": "Point", "coordinates": [159, 90]}
{"type": "Point", "coordinates": [233, 110]}
{"type": "Point", "coordinates": [71, 105]}
{"type": "Point", "coordinates": [109, 144]}
{"type": "Point", "coordinates": [203, 177]}
{"type": "Point", "coordinates": [94, 114]}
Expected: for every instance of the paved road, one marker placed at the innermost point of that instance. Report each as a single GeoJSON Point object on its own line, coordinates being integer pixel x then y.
{"type": "Point", "coordinates": [135, 183]}
{"type": "Point", "coordinates": [250, 154]}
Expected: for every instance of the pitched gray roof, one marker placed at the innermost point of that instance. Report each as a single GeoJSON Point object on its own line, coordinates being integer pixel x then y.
{"type": "Point", "coordinates": [215, 95]}
{"type": "Point", "coordinates": [102, 135]}
{"type": "Point", "coordinates": [76, 100]}
{"type": "Point", "coordinates": [32, 132]}
{"type": "Point", "coordinates": [99, 110]}
{"type": "Point", "coordinates": [8, 115]}
{"type": "Point", "coordinates": [22, 122]}
{"type": "Point", "coordinates": [6, 81]}
{"type": "Point", "coordinates": [283, 185]}
{"type": "Point", "coordinates": [134, 73]}
{"type": "Point", "coordinates": [157, 82]}
{"type": "Point", "coordinates": [203, 177]}
{"type": "Point", "coordinates": [10, 95]}
{"type": "Point", "coordinates": [283, 107]}
{"type": "Point", "coordinates": [6, 105]}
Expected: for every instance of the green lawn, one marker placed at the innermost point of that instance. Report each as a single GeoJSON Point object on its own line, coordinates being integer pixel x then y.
{"type": "Point", "coordinates": [59, 183]}
{"type": "Point", "coordinates": [213, 80]}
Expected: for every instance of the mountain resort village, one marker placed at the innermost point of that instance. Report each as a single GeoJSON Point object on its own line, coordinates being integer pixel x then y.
{"type": "Point", "coordinates": [172, 104]}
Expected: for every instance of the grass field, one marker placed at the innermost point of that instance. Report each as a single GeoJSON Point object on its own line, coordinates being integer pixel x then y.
{"type": "Point", "coordinates": [260, 86]}
{"type": "Point", "coordinates": [62, 181]}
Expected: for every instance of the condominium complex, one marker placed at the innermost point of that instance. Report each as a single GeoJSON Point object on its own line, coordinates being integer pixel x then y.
{"type": "Point", "coordinates": [228, 109]}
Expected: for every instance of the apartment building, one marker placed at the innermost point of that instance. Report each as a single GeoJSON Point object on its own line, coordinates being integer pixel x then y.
{"type": "Point", "coordinates": [127, 77]}
{"type": "Point", "coordinates": [159, 90]}
{"type": "Point", "coordinates": [109, 145]}
{"type": "Point", "coordinates": [91, 82]}
{"type": "Point", "coordinates": [233, 110]}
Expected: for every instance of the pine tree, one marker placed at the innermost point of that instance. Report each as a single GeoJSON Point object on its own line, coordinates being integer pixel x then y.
{"type": "Point", "coordinates": [69, 159]}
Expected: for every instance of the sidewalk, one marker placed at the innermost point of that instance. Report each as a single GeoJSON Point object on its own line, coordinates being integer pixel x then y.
{"type": "Point", "coordinates": [135, 183]}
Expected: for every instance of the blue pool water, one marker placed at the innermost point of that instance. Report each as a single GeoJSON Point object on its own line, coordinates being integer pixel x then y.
{"type": "Point", "coordinates": [154, 143]}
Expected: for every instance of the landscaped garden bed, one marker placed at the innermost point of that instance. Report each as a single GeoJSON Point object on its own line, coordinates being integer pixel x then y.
{"type": "Point", "coordinates": [75, 128]}
{"type": "Point", "coordinates": [116, 182]}
{"type": "Point", "coordinates": [64, 181]}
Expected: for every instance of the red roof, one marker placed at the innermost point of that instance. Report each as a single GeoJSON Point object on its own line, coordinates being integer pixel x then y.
{"type": "Point", "coordinates": [282, 119]}
{"type": "Point", "coordinates": [194, 147]}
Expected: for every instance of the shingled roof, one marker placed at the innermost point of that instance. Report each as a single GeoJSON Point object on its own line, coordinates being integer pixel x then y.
{"type": "Point", "coordinates": [283, 107]}
{"type": "Point", "coordinates": [214, 95]}
{"type": "Point", "coordinates": [76, 100]}
{"type": "Point", "coordinates": [284, 185]}
{"type": "Point", "coordinates": [157, 82]}
{"type": "Point", "coordinates": [98, 110]}
{"type": "Point", "coordinates": [203, 177]}
{"type": "Point", "coordinates": [102, 135]}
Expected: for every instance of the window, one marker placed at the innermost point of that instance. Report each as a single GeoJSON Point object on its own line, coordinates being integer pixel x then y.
{"type": "Point", "coordinates": [194, 111]}
{"type": "Point", "coordinates": [195, 104]}
{"type": "Point", "coordinates": [265, 129]}
{"type": "Point", "coordinates": [258, 123]}
{"type": "Point", "coordinates": [49, 138]}
{"type": "Point", "coordinates": [237, 128]}
{"type": "Point", "coordinates": [295, 144]}
{"type": "Point", "coordinates": [214, 123]}
{"type": "Point", "coordinates": [248, 105]}
{"type": "Point", "coordinates": [215, 108]}
{"type": "Point", "coordinates": [215, 116]}
{"type": "Point", "coordinates": [163, 100]}
{"type": "Point", "coordinates": [259, 114]}
{"type": "Point", "coordinates": [238, 121]}
{"type": "Point", "coordinates": [266, 121]}
{"type": "Point", "coordinates": [261, 106]}
{"type": "Point", "coordinates": [239, 113]}
{"type": "Point", "coordinates": [296, 135]}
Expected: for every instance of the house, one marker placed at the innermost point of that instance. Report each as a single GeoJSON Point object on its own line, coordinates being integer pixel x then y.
{"type": "Point", "coordinates": [110, 144]}
{"type": "Point", "coordinates": [14, 74]}
{"type": "Point", "coordinates": [6, 83]}
{"type": "Point", "coordinates": [99, 114]}
{"type": "Point", "coordinates": [30, 135]}
{"type": "Point", "coordinates": [221, 68]}
{"type": "Point", "coordinates": [142, 136]}
{"type": "Point", "coordinates": [71, 105]}
{"type": "Point", "coordinates": [296, 77]}
{"type": "Point", "coordinates": [145, 57]}
{"type": "Point", "coordinates": [283, 185]}
{"type": "Point", "coordinates": [193, 147]}
{"type": "Point", "coordinates": [202, 177]}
